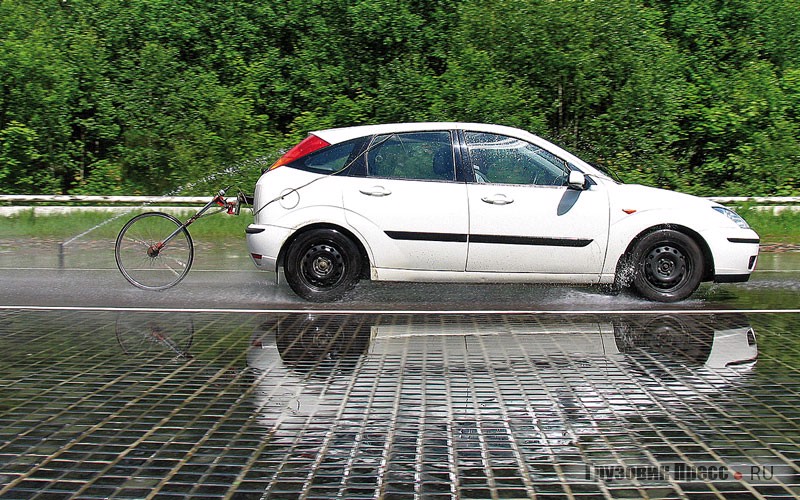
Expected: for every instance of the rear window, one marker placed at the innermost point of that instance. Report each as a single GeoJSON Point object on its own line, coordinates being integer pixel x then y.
{"type": "Point", "coordinates": [331, 159]}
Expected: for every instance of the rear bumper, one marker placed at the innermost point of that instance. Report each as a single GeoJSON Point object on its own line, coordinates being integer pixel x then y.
{"type": "Point", "coordinates": [264, 244]}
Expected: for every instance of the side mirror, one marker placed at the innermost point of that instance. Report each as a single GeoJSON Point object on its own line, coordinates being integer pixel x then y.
{"type": "Point", "coordinates": [576, 180]}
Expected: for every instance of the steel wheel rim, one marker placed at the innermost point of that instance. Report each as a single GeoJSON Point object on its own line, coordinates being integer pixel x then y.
{"type": "Point", "coordinates": [322, 266]}
{"type": "Point", "coordinates": [666, 267]}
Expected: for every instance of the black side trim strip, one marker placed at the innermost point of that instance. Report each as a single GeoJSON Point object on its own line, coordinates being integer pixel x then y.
{"type": "Point", "coordinates": [744, 240]}
{"type": "Point", "coordinates": [731, 278]}
{"type": "Point", "coordinates": [254, 230]}
{"type": "Point", "coordinates": [413, 236]}
{"type": "Point", "coordinates": [740, 362]}
{"type": "Point", "coordinates": [485, 238]}
{"type": "Point", "coordinates": [529, 240]}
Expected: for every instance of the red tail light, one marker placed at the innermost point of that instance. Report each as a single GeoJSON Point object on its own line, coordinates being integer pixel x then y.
{"type": "Point", "coordinates": [306, 146]}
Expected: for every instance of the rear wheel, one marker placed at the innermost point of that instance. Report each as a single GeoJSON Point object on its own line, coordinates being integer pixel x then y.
{"type": "Point", "coordinates": [668, 266]}
{"type": "Point", "coordinates": [322, 265]}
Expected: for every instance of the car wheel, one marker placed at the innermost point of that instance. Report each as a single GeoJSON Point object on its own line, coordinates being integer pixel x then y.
{"type": "Point", "coordinates": [678, 337]}
{"type": "Point", "coordinates": [322, 264]}
{"type": "Point", "coordinates": [668, 266]}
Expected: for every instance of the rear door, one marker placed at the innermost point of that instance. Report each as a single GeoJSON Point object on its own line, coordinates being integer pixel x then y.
{"type": "Point", "coordinates": [409, 205]}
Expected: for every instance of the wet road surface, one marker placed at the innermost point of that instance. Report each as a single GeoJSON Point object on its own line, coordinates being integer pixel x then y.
{"type": "Point", "coordinates": [239, 390]}
{"type": "Point", "coordinates": [225, 278]}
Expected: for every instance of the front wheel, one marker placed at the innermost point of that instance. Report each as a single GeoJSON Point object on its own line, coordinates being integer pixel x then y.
{"type": "Point", "coordinates": [146, 259]}
{"type": "Point", "coordinates": [668, 266]}
{"type": "Point", "coordinates": [322, 264]}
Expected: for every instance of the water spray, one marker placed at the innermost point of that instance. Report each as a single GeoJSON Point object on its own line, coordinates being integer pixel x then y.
{"type": "Point", "coordinates": [262, 161]}
{"type": "Point", "coordinates": [228, 171]}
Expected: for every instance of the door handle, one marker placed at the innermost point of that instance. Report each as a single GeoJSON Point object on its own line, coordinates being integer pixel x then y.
{"type": "Point", "coordinates": [497, 199]}
{"type": "Point", "coordinates": [375, 191]}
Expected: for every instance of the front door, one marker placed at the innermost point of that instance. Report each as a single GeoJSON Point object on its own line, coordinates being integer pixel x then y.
{"type": "Point", "coordinates": [523, 217]}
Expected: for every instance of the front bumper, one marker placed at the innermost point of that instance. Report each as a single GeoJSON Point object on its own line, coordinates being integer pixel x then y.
{"type": "Point", "coordinates": [731, 278]}
{"type": "Point", "coordinates": [735, 254]}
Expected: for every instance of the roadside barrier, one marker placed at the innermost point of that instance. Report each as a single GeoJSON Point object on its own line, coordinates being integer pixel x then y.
{"type": "Point", "coordinates": [64, 204]}
{"type": "Point", "coordinates": [61, 204]}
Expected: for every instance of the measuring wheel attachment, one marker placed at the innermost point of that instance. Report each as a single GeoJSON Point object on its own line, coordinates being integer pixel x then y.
{"type": "Point", "coordinates": [154, 251]}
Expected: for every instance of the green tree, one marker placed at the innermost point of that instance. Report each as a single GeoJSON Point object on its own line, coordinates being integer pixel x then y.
{"type": "Point", "coordinates": [146, 95]}
{"type": "Point", "coordinates": [35, 99]}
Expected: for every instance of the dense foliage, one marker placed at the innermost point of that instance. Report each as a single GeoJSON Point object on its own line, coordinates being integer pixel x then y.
{"type": "Point", "coordinates": [141, 96]}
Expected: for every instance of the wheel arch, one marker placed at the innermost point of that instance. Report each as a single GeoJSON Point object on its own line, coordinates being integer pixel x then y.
{"type": "Point", "coordinates": [365, 261]}
{"type": "Point", "coordinates": [708, 256]}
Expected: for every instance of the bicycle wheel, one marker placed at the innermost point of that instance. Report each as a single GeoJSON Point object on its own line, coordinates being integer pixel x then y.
{"type": "Point", "coordinates": [153, 334]}
{"type": "Point", "coordinates": [145, 260]}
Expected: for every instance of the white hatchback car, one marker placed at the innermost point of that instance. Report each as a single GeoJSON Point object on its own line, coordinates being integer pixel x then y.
{"type": "Point", "coordinates": [473, 202]}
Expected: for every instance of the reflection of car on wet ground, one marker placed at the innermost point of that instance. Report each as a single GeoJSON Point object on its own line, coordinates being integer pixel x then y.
{"type": "Point", "coordinates": [388, 393]}
{"type": "Point", "coordinates": [288, 353]}
{"type": "Point", "coordinates": [480, 203]}
{"type": "Point", "coordinates": [728, 342]}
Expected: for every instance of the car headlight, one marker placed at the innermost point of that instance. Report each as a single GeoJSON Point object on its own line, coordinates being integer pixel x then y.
{"type": "Point", "coordinates": [736, 218]}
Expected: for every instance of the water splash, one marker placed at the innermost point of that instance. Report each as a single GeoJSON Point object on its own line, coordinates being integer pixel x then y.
{"type": "Point", "coordinates": [261, 162]}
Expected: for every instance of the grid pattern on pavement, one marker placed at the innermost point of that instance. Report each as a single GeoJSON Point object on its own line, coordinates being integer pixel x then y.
{"type": "Point", "coordinates": [138, 405]}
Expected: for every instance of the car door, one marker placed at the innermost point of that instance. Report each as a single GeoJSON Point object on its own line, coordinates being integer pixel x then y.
{"type": "Point", "coordinates": [408, 205]}
{"type": "Point", "coordinates": [523, 217]}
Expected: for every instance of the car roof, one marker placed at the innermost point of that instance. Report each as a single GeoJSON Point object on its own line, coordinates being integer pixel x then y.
{"type": "Point", "coordinates": [337, 135]}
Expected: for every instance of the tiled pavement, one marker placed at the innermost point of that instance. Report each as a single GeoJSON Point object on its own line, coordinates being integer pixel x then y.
{"type": "Point", "coordinates": [172, 405]}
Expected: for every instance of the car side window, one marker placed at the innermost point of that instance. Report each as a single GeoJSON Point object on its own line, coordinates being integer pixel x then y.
{"type": "Point", "coordinates": [499, 159]}
{"type": "Point", "coordinates": [413, 155]}
{"type": "Point", "coordinates": [328, 160]}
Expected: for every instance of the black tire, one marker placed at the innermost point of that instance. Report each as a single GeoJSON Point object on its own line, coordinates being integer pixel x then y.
{"type": "Point", "coordinates": [677, 338]}
{"type": "Point", "coordinates": [146, 264]}
{"type": "Point", "coordinates": [668, 266]}
{"type": "Point", "coordinates": [321, 265]}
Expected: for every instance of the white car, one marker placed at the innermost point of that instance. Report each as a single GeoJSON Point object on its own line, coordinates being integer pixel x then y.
{"type": "Point", "coordinates": [466, 202]}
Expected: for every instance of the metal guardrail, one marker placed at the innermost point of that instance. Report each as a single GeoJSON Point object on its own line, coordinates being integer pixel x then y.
{"type": "Point", "coordinates": [113, 200]}
{"type": "Point", "coordinates": [63, 204]}
{"type": "Point", "coordinates": [60, 204]}
{"type": "Point", "coordinates": [35, 198]}
{"type": "Point", "coordinates": [755, 200]}
{"type": "Point", "coordinates": [775, 204]}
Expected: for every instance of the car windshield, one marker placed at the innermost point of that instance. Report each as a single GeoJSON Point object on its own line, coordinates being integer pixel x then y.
{"type": "Point", "coordinates": [605, 171]}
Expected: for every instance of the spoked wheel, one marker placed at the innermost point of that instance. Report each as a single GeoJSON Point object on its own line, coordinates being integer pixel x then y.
{"type": "Point", "coordinates": [145, 333]}
{"type": "Point", "coordinates": [668, 266]}
{"type": "Point", "coordinates": [322, 264]}
{"type": "Point", "coordinates": [145, 259]}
